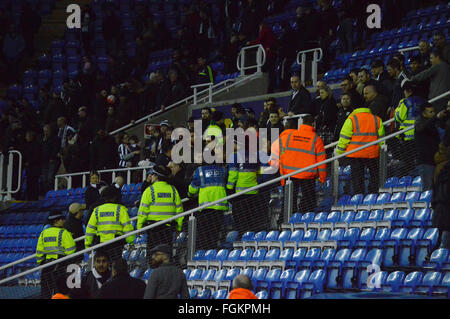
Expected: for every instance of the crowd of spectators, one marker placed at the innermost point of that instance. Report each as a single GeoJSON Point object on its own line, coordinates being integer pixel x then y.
{"type": "Point", "coordinates": [69, 132]}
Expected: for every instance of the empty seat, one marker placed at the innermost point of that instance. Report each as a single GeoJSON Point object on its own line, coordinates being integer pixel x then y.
{"type": "Point", "coordinates": [391, 246]}
{"type": "Point", "coordinates": [335, 267]}
{"type": "Point", "coordinates": [411, 281]}
{"type": "Point", "coordinates": [430, 280]}
{"type": "Point", "coordinates": [393, 281]}
{"type": "Point", "coordinates": [293, 288]}
{"type": "Point", "coordinates": [407, 247]}
{"type": "Point", "coordinates": [437, 259]}
{"type": "Point", "coordinates": [425, 245]}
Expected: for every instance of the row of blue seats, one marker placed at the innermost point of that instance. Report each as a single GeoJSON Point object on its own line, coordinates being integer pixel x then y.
{"type": "Point", "coordinates": [342, 269]}
{"type": "Point", "coordinates": [18, 245]}
{"type": "Point", "coordinates": [385, 200]}
{"type": "Point", "coordinates": [397, 249]}
{"type": "Point", "coordinates": [21, 231]}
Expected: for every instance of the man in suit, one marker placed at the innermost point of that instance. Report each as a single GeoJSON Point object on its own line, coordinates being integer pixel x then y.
{"type": "Point", "coordinates": [300, 102]}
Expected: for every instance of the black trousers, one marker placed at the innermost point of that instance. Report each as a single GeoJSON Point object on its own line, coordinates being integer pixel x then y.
{"type": "Point", "coordinates": [244, 213]}
{"type": "Point", "coordinates": [358, 166]}
{"type": "Point", "coordinates": [162, 234]}
{"type": "Point", "coordinates": [308, 201]}
{"type": "Point", "coordinates": [209, 227]}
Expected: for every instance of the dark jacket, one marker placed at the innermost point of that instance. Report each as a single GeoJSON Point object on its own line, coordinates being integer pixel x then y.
{"type": "Point", "coordinates": [357, 99]}
{"type": "Point", "coordinates": [50, 148]}
{"type": "Point", "coordinates": [379, 106]}
{"type": "Point", "coordinates": [91, 195]}
{"type": "Point", "coordinates": [122, 287]}
{"type": "Point", "coordinates": [103, 153]}
{"type": "Point", "coordinates": [440, 200]}
{"type": "Point", "coordinates": [302, 103]}
{"type": "Point", "coordinates": [89, 285]}
{"type": "Point", "coordinates": [167, 282]}
{"type": "Point", "coordinates": [426, 137]}
{"type": "Point", "coordinates": [326, 120]}
{"type": "Point", "coordinates": [75, 227]}
{"type": "Point", "coordinates": [342, 115]}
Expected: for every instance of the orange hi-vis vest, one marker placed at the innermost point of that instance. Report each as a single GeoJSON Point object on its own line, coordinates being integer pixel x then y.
{"type": "Point", "coordinates": [276, 150]}
{"type": "Point", "coordinates": [365, 130]}
{"type": "Point", "coordinates": [304, 148]}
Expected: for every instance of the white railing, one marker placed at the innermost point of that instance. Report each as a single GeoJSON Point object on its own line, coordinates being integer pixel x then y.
{"type": "Point", "coordinates": [114, 172]}
{"type": "Point", "coordinates": [9, 175]}
{"type": "Point", "coordinates": [301, 60]}
{"type": "Point", "coordinates": [260, 59]}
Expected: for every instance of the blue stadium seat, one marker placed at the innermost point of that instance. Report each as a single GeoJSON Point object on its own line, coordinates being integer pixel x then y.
{"type": "Point", "coordinates": [315, 284]}
{"type": "Point", "coordinates": [297, 257]}
{"type": "Point", "coordinates": [234, 254]}
{"type": "Point", "coordinates": [381, 235]}
{"type": "Point", "coordinates": [391, 246]}
{"type": "Point", "coordinates": [403, 218]}
{"type": "Point", "coordinates": [199, 254]}
{"type": "Point", "coordinates": [262, 294]}
{"type": "Point", "coordinates": [326, 256]}
{"type": "Point", "coordinates": [376, 215]}
{"type": "Point", "coordinates": [430, 280]}
{"type": "Point", "coordinates": [351, 235]}
{"type": "Point", "coordinates": [278, 287]}
{"type": "Point", "coordinates": [443, 288]}
{"type": "Point", "coordinates": [210, 254]}
{"type": "Point", "coordinates": [266, 283]}
{"type": "Point", "coordinates": [335, 267]}
{"type": "Point", "coordinates": [246, 254]}
{"type": "Point", "coordinates": [365, 237]}
{"type": "Point", "coordinates": [324, 235]}
{"type": "Point", "coordinates": [390, 215]}
{"type": "Point", "coordinates": [320, 217]}
{"type": "Point", "coordinates": [333, 217]}
{"type": "Point", "coordinates": [424, 200]}
{"type": "Point", "coordinates": [296, 218]}
{"type": "Point", "coordinates": [310, 235]}
{"type": "Point", "coordinates": [411, 281]}
{"type": "Point", "coordinates": [361, 216]}
{"type": "Point", "coordinates": [354, 201]}
{"type": "Point", "coordinates": [407, 247]}
{"type": "Point", "coordinates": [393, 281]}
{"type": "Point", "coordinates": [258, 275]}
{"type": "Point", "coordinates": [350, 268]}
{"type": "Point", "coordinates": [219, 294]}
{"type": "Point", "coordinates": [382, 199]}
{"type": "Point", "coordinates": [259, 254]}
{"type": "Point", "coordinates": [293, 288]}
{"type": "Point", "coordinates": [426, 245]}
{"type": "Point", "coordinates": [437, 259]}
{"type": "Point", "coordinates": [193, 293]}
{"type": "Point", "coordinates": [312, 255]}
{"type": "Point", "coordinates": [204, 294]}
{"type": "Point", "coordinates": [421, 218]}
{"type": "Point", "coordinates": [390, 183]}
{"type": "Point", "coordinates": [347, 216]}
{"type": "Point", "coordinates": [308, 217]}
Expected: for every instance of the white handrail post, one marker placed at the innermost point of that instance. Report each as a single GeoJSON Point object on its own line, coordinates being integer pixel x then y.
{"type": "Point", "coordinates": [1, 174]}
{"type": "Point", "coordinates": [243, 62]}
{"type": "Point", "coordinates": [128, 177]}
{"type": "Point", "coordinates": [210, 92]}
{"type": "Point", "coordinates": [303, 68]}
{"type": "Point", "coordinates": [113, 176]}
{"type": "Point", "coordinates": [83, 184]}
{"type": "Point", "coordinates": [195, 95]}
{"type": "Point", "coordinates": [258, 60]}
{"type": "Point", "coordinates": [69, 184]}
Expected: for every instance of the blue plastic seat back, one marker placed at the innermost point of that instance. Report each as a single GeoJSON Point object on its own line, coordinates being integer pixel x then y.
{"type": "Point", "coordinates": [222, 274]}
{"type": "Point", "coordinates": [351, 234]}
{"type": "Point", "coordinates": [222, 254]}
{"type": "Point", "coordinates": [374, 256]}
{"type": "Point", "coordinates": [398, 234]}
{"type": "Point", "coordinates": [415, 234]}
{"type": "Point", "coordinates": [219, 294]}
{"type": "Point", "coordinates": [273, 254]}
{"type": "Point", "coordinates": [433, 278]}
{"type": "Point", "coordinates": [208, 274]}
{"type": "Point", "coordinates": [259, 275]}
{"type": "Point", "coordinates": [347, 216]}
{"type": "Point", "coordinates": [297, 235]}
{"type": "Point", "coordinates": [358, 254]}
{"type": "Point", "coordinates": [412, 197]}
{"type": "Point", "coordinates": [422, 215]}
{"type": "Point", "coordinates": [248, 236]}
{"type": "Point", "coordinates": [361, 216]}
{"type": "Point", "coordinates": [356, 199]}
{"type": "Point", "coordinates": [425, 196]}
{"type": "Point", "coordinates": [417, 182]}
{"type": "Point", "coordinates": [246, 254]}
{"type": "Point", "coordinates": [310, 235]}
{"type": "Point", "coordinates": [327, 254]}
{"type": "Point", "coordinates": [262, 294]}
{"type": "Point", "coordinates": [273, 275]}
{"type": "Point", "coordinates": [367, 234]}
{"type": "Point", "coordinates": [395, 279]}
{"type": "Point", "coordinates": [376, 215]}
{"type": "Point", "coordinates": [383, 198]}
{"type": "Point", "coordinates": [342, 255]}
{"type": "Point", "coordinates": [337, 234]}
{"type": "Point", "coordinates": [413, 279]}
{"type": "Point", "coordinates": [259, 254]}
{"type": "Point", "coordinates": [320, 217]}
{"type": "Point", "coordinates": [405, 216]}
{"type": "Point", "coordinates": [391, 182]}
{"type": "Point", "coordinates": [248, 272]}
{"type": "Point", "coordinates": [261, 235]}
{"type": "Point", "coordinates": [312, 254]}
{"type": "Point", "coordinates": [391, 215]}
{"type": "Point", "coordinates": [302, 276]}
{"type": "Point", "coordinates": [334, 217]}
{"type": "Point", "coordinates": [370, 199]}
{"type": "Point", "coordinates": [397, 197]}
{"type": "Point", "coordinates": [272, 235]}
{"type": "Point", "coordinates": [286, 254]}
{"type": "Point", "coordinates": [285, 235]}
{"type": "Point", "coordinates": [308, 217]}
{"type": "Point", "coordinates": [383, 234]}
{"type": "Point", "coordinates": [232, 236]}
{"type": "Point", "coordinates": [432, 235]}
{"type": "Point", "coordinates": [296, 218]}
{"type": "Point", "coordinates": [195, 274]}
{"type": "Point", "coordinates": [324, 235]}
{"type": "Point", "coordinates": [439, 256]}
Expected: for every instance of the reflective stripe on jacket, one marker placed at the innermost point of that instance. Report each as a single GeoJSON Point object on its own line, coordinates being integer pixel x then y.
{"type": "Point", "coordinates": [406, 114]}
{"type": "Point", "coordinates": [304, 148]}
{"type": "Point", "coordinates": [210, 182]}
{"type": "Point", "coordinates": [53, 243]}
{"type": "Point", "coordinates": [360, 128]}
{"type": "Point", "coordinates": [160, 201]}
{"type": "Point", "coordinates": [108, 221]}
{"type": "Point", "coordinates": [242, 174]}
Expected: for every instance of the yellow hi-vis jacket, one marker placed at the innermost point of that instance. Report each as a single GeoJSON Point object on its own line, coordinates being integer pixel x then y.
{"type": "Point", "coordinates": [108, 221]}
{"type": "Point", "coordinates": [53, 243]}
{"type": "Point", "coordinates": [160, 201]}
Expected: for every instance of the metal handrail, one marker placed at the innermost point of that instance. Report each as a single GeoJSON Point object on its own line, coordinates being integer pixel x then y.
{"type": "Point", "coordinates": [260, 59]}
{"type": "Point", "coordinates": [313, 62]}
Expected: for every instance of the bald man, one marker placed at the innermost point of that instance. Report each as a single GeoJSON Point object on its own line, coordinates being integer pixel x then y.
{"type": "Point", "coordinates": [242, 288]}
{"type": "Point", "coordinates": [376, 102]}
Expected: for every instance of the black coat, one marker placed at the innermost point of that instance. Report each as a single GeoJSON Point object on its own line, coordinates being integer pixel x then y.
{"type": "Point", "coordinates": [379, 106]}
{"type": "Point", "coordinates": [440, 200]}
{"type": "Point", "coordinates": [302, 103]}
{"type": "Point", "coordinates": [91, 196]}
{"type": "Point", "coordinates": [426, 137]}
{"type": "Point", "coordinates": [75, 227]}
{"type": "Point", "coordinates": [342, 115]}
{"type": "Point", "coordinates": [89, 286]}
{"type": "Point", "coordinates": [326, 120]}
{"type": "Point", "coordinates": [122, 287]}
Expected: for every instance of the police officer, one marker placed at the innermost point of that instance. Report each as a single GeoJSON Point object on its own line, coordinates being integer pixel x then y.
{"type": "Point", "coordinates": [405, 115]}
{"type": "Point", "coordinates": [362, 127]}
{"type": "Point", "coordinates": [304, 148]}
{"type": "Point", "coordinates": [160, 201]}
{"type": "Point", "coordinates": [54, 242]}
{"type": "Point", "coordinates": [243, 169]}
{"type": "Point", "coordinates": [108, 221]}
{"type": "Point", "coordinates": [209, 182]}
{"type": "Point", "coordinates": [216, 129]}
